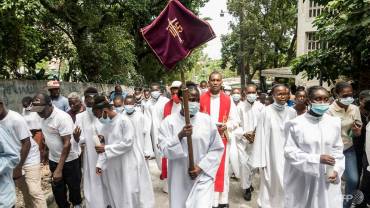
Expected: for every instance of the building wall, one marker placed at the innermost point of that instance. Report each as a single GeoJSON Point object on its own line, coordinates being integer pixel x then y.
{"type": "Point", "coordinates": [12, 91]}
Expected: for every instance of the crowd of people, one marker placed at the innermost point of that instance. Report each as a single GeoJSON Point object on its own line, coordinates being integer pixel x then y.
{"type": "Point", "coordinates": [303, 143]}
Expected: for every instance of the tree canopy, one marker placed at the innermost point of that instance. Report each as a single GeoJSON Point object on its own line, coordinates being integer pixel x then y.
{"type": "Point", "coordinates": [99, 40]}
{"type": "Point", "coordinates": [344, 32]}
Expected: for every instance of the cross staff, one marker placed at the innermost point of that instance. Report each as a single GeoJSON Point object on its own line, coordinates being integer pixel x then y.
{"type": "Point", "coordinates": [185, 91]}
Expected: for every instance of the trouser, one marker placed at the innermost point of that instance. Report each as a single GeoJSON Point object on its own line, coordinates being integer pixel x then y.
{"type": "Point", "coordinates": [71, 179]}
{"type": "Point", "coordinates": [30, 186]}
{"type": "Point", "coordinates": [359, 146]}
{"type": "Point", "coordinates": [350, 175]}
{"type": "Point", "coordinates": [365, 183]}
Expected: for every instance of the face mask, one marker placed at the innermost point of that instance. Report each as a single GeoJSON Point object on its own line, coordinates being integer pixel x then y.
{"type": "Point", "coordinates": [278, 106]}
{"type": "Point", "coordinates": [28, 108]}
{"type": "Point", "coordinates": [251, 98]}
{"type": "Point", "coordinates": [236, 97]}
{"type": "Point", "coordinates": [346, 101]}
{"type": "Point", "coordinates": [118, 109]}
{"type": "Point", "coordinates": [89, 110]}
{"type": "Point", "coordinates": [129, 109]}
{"type": "Point", "coordinates": [155, 94]}
{"type": "Point", "coordinates": [319, 108]}
{"type": "Point", "coordinates": [204, 90]}
{"type": "Point", "coordinates": [227, 93]}
{"type": "Point", "coordinates": [106, 120]}
{"type": "Point", "coordinates": [194, 108]}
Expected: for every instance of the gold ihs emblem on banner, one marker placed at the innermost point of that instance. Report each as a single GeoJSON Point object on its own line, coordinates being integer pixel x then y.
{"type": "Point", "coordinates": [175, 29]}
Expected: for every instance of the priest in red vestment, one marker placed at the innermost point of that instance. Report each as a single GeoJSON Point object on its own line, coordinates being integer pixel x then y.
{"type": "Point", "coordinates": [223, 112]}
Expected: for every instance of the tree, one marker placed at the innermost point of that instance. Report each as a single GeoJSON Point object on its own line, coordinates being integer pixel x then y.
{"type": "Point", "coordinates": [100, 40]}
{"type": "Point", "coordinates": [268, 35]}
{"type": "Point", "coordinates": [343, 29]}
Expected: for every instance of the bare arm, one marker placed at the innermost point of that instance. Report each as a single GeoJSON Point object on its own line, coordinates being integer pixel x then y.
{"type": "Point", "coordinates": [25, 149]}
{"type": "Point", "coordinates": [57, 175]}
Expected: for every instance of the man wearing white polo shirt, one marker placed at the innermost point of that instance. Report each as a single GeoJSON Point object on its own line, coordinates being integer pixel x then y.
{"type": "Point", "coordinates": [57, 127]}
{"type": "Point", "coordinates": [27, 174]}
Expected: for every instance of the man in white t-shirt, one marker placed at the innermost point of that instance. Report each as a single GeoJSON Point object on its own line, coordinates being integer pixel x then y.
{"type": "Point", "coordinates": [27, 174]}
{"type": "Point", "coordinates": [57, 127]}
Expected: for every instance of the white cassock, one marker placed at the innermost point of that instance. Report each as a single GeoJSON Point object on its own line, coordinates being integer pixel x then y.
{"type": "Point", "coordinates": [249, 115]}
{"type": "Point", "coordinates": [92, 184]}
{"type": "Point", "coordinates": [268, 154]}
{"type": "Point", "coordinates": [126, 178]}
{"type": "Point", "coordinates": [207, 151]}
{"type": "Point", "coordinates": [233, 152]}
{"type": "Point", "coordinates": [154, 113]}
{"type": "Point", "coordinates": [305, 178]}
{"type": "Point", "coordinates": [142, 132]}
{"type": "Point", "coordinates": [233, 123]}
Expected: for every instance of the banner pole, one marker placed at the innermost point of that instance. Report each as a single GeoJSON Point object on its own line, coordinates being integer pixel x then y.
{"type": "Point", "coordinates": [185, 91]}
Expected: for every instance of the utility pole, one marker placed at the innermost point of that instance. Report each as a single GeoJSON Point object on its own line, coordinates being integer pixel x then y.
{"type": "Point", "coordinates": [241, 49]}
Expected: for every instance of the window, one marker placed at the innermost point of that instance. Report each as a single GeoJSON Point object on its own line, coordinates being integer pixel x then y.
{"type": "Point", "coordinates": [313, 42]}
{"type": "Point", "coordinates": [315, 9]}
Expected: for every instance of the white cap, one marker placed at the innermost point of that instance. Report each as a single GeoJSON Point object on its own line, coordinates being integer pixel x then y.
{"type": "Point", "coordinates": [176, 84]}
{"type": "Point", "coordinates": [227, 87]}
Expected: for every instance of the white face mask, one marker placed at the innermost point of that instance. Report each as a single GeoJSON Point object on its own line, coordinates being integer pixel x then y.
{"type": "Point", "coordinates": [227, 93]}
{"type": "Point", "coordinates": [346, 101]}
{"type": "Point", "coordinates": [118, 109]}
{"type": "Point", "coordinates": [155, 94]}
{"type": "Point", "coordinates": [251, 98]}
{"type": "Point", "coordinates": [193, 108]}
{"type": "Point", "coordinates": [236, 97]}
{"type": "Point", "coordinates": [129, 109]}
{"type": "Point", "coordinates": [89, 110]}
{"type": "Point", "coordinates": [106, 120]}
{"type": "Point", "coordinates": [278, 106]}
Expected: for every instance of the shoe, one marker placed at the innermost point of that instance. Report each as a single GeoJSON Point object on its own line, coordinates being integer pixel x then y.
{"type": "Point", "coordinates": [251, 188]}
{"type": "Point", "coordinates": [77, 206]}
{"type": "Point", "coordinates": [223, 206]}
{"type": "Point", "coordinates": [247, 194]}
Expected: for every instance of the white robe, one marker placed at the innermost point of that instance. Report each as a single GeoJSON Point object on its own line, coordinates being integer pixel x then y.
{"type": "Point", "coordinates": [268, 155]}
{"type": "Point", "coordinates": [305, 178]}
{"type": "Point", "coordinates": [249, 116]}
{"type": "Point", "coordinates": [154, 113]}
{"type": "Point", "coordinates": [233, 122]}
{"type": "Point", "coordinates": [92, 184]}
{"type": "Point", "coordinates": [126, 178]}
{"type": "Point", "coordinates": [207, 152]}
{"type": "Point", "coordinates": [142, 132]}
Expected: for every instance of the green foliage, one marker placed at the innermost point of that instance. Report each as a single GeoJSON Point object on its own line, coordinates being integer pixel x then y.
{"type": "Point", "coordinates": [267, 31]}
{"type": "Point", "coordinates": [344, 28]}
{"type": "Point", "coordinates": [98, 41]}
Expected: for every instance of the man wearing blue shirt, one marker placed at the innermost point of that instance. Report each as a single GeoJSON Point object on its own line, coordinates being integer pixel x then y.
{"type": "Point", "coordinates": [58, 100]}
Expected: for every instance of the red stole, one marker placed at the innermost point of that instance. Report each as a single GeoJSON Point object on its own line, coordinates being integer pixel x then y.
{"type": "Point", "coordinates": [205, 107]}
{"type": "Point", "coordinates": [166, 111]}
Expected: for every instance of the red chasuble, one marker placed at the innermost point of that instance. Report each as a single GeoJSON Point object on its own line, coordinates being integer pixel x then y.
{"type": "Point", "coordinates": [205, 107]}
{"type": "Point", "coordinates": [167, 111]}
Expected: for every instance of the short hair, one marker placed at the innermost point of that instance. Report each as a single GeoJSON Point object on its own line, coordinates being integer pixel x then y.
{"type": "Point", "coordinates": [27, 99]}
{"type": "Point", "coordinates": [130, 97]}
{"type": "Point", "coordinates": [203, 81]}
{"type": "Point", "coordinates": [101, 102]}
{"type": "Point", "coordinates": [312, 90]}
{"type": "Point", "coordinates": [146, 90]}
{"type": "Point", "coordinates": [90, 90]}
{"type": "Point", "coordinates": [340, 86]}
{"type": "Point", "coordinates": [213, 73]}
{"type": "Point", "coordinates": [118, 97]}
{"type": "Point", "coordinates": [73, 95]}
{"type": "Point", "coordinates": [298, 91]}
{"type": "Point", "coordinates": [154, 84]}
{"type": "Point", "coordinates": [277, 86]}
{"type": "Point", "coordinates": [138, 89]}
{"type": "Point", "coordinates": [251, 85]}
{"type": "Point", "coordinates": [191, 86]}
{"type": "Point", "coordinates": [300, 88]}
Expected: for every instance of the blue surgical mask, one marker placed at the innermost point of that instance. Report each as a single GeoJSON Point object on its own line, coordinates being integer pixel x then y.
{"type": "Point", "coordinates": [346, 101]}
{"type": "Point", "coordinates": [106, 120]}
{"type": "Point", "coordinates": [319, 108]}
{"type": "Point", "coordinates": [236, 97]}
{"type": "Point", "coordinates": [130, 109]}
{"type": "Point", "coordinates": [155, 94]}
{"type": "Point", "coordinates": [89, 110]}
{"type": "Point", "coordinates": [251, 98]}
{"type": "Point", "coordinates": [277, 106]}
{"type": "Point", "coordinates": [194, 108]}
{"type": "Point", "coordinates": [118, 109]}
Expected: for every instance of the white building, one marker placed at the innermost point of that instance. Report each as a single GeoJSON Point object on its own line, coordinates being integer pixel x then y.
{"type": "Point", "coordinates": [306, 35]}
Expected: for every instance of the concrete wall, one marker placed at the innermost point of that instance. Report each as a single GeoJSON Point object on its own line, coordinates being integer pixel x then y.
{"type": "Point", "coordinates": [12, 91]}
